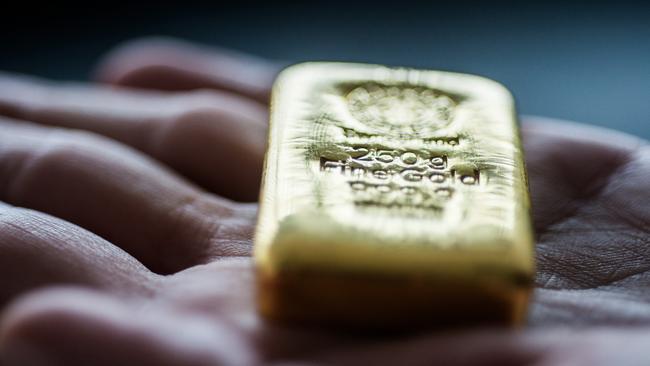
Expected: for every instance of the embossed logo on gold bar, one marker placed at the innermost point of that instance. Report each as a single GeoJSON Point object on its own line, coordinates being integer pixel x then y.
{"type": "Point", "coordinates": [381, 176]}
{"type": "Point", "coordinates": [401, 111]}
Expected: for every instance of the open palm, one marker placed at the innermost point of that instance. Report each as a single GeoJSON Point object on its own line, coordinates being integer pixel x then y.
{"type": "Point", "coordinates": [124, 239]}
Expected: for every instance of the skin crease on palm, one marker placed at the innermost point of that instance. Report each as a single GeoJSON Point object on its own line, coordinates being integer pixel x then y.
{"type": "Point", "coordinates": [126, 219]}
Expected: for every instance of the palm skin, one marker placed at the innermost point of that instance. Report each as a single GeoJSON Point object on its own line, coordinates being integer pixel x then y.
{"type": "Point", "coordinates": [125, 241]}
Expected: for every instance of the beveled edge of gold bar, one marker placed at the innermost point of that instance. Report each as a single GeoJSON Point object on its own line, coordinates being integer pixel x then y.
{"type": "Point", "coordinates": [487, 88]}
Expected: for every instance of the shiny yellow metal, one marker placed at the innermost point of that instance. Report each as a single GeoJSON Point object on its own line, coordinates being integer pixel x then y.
{"type": "Point", "coordinates": [393, 197]}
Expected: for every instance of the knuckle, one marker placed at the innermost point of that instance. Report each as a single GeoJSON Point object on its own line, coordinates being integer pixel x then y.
{"type": "Point", "coordinates": [52, 161]}
{"type": "Point", "coordinates": [192, 127]}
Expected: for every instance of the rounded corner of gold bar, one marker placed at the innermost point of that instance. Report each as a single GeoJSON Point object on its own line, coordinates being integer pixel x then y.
{"type": "Point", "coordinates": [298, 68]}
{"type": "Point", "coordinates": [496, 88]}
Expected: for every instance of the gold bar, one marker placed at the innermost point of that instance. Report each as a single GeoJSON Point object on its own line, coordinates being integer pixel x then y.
{"type": "Point", "coordinates": [393, 197]}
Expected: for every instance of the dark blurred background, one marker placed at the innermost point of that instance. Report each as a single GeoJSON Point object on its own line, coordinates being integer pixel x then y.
{"type": "Point", "coordinates": [584, 61]}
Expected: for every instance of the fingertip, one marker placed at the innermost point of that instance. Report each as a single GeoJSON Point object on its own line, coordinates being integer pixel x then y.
{"type": "Point", "coordinates": [37, 307]}
{"type": "Point", "coordinates": [64, 326]}
{"type": "Point", "coordinates": [119, 63]}
{"type": "Point", "coordinates": [31, 327]}
{"type": "Point", "coordinates": [171, 64]}
{"type": "Point", "coordinates": [111, 66]}
{"type": "Point", "coordinates": [74, 326]}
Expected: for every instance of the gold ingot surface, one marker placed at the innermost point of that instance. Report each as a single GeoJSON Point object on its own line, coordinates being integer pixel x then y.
{"type": "Point", "coordinates": [393, 197]}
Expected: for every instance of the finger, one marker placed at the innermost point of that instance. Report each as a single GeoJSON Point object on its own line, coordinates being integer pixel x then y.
{"type": "Point", "coordinates": [37, 250]}
{"type": "Point", "coordinates": [590, 347]}
{"type": "Point", "coordinates": [215, 139]}
{"type": "Point", "coordinates": [119, 194]}
{"type": "Point", "coordinates": [70, 326]}
{"type": "Point", "coordinates": [169, 64]}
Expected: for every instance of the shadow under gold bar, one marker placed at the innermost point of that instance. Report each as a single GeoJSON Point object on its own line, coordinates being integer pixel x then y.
{"type": "Point", "coordinates": [393, 197]}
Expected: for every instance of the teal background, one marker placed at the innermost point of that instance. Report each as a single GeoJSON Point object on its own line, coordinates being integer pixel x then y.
{"type": "Point", "coordinates": [583, 61]}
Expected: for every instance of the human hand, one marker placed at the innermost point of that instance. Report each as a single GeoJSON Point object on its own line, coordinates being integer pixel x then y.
{"type": "Point", "coordinates": [124, 239]}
